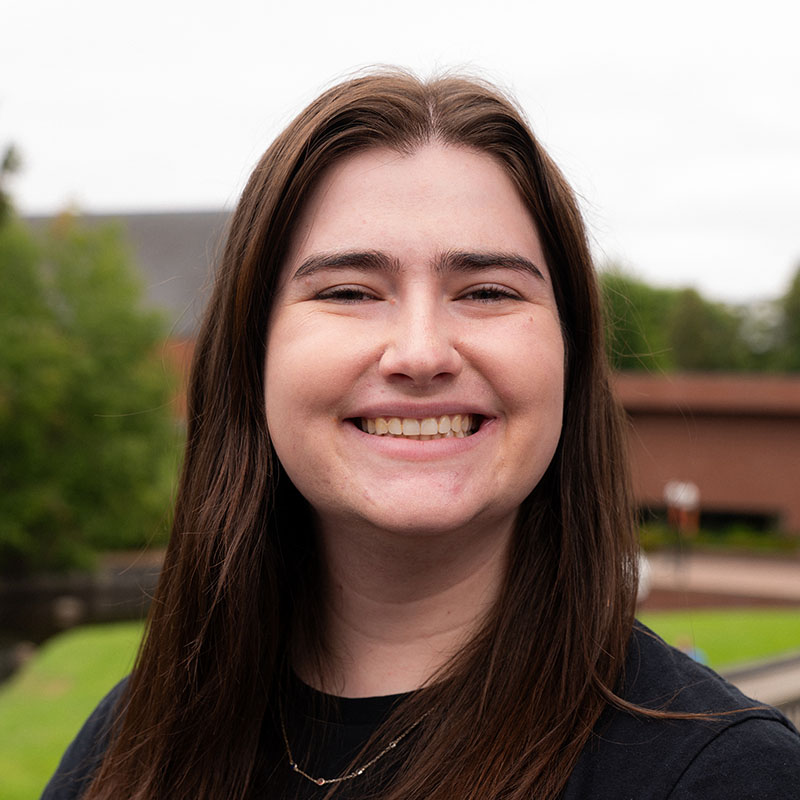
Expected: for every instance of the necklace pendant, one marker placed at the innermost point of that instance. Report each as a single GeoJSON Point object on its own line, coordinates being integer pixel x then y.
{"type": "Point", "coordinates": [320, 781]}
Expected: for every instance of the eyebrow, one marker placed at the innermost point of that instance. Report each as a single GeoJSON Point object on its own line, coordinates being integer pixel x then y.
{"type": "Point", "coordinates": [361, 260]}
{"type": "Point", "coordinates": [458, 261]}
{"type": "Point", "coordinates": [450, 261]}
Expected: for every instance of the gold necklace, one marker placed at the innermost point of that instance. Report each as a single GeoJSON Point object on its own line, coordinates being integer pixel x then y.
{"type": "Point", "coordinates": [295, 767]}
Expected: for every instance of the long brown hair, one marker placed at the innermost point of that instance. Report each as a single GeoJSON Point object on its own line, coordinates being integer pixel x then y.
{"type": "Point", "coordinates": [515, 707]}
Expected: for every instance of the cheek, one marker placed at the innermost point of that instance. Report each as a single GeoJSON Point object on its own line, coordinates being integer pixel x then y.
{"type": "Point", "coordinates": [307, 369]}
{"type": "Point", "coordinates": [289, 378]}
{"type": "Point", "coordinates": [280, 378]}
{"type": "Point", "coordinates": [528, 364]}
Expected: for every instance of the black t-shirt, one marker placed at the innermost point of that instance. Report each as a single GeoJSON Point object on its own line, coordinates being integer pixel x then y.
{"type": "Point", "coordinates": [753, 753]}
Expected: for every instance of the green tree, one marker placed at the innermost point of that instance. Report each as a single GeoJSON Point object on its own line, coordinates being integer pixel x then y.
{"type": "Point", "coordinates": [705, 336]}
{"type": "Point", "coordinates": [760, 329]}
{"type": "Point", "coordinates": [790, 326]}
{"type": "Point", "coordinates": [87, 431]}
{"type": "Point", "coordinates": [637, 317]}
{"type": "Point", "coordinates": [9, 164]}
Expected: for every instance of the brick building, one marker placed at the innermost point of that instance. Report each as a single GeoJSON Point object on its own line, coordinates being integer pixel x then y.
{"type": "Point", "coordinates": [737, 437]}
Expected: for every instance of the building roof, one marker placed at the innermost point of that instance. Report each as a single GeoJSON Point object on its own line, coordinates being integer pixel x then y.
{"type": "Point", "coordinates": [754, 394]}
{"type": "Point", "coordinates": [175, 253]}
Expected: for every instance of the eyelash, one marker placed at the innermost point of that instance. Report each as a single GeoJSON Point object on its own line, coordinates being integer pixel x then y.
{"type": "Point", "coordinates": [490, 293]}
{"type": "Point", "coordinates": [345, 294]}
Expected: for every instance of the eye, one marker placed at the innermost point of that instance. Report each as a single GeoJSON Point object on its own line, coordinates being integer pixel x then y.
{"type": "Point", "coordinates": [489, 293]}
{"type": "Point", "coordinates": [346, 294]}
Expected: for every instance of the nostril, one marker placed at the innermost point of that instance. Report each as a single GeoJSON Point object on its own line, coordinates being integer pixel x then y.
{"type": "Point", "coordinates": [420, 358]}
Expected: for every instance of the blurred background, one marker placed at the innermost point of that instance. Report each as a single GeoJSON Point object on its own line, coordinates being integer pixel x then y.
{"type": "Point", "coordinates": [126, 135]}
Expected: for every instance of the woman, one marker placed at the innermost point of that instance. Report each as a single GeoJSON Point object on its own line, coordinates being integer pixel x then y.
{"type": "Point", "coordinates": [403, 562]}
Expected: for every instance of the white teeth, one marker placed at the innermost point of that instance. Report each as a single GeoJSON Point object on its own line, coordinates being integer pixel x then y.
{"type": "Point", "coordinates": [445, 427]}
{"type": "Point", "coordinates": [429, 427]}
{"type": "Point", "coordinates": [411, 427]}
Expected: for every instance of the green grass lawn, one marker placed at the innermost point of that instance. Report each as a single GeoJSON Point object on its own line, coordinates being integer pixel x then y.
{"type": "Point", "coordinates": [729, 636]}
{"type": "Point", "coordinates": [42, 708]}
{"type": "Point", "coordinates": [44, 705]}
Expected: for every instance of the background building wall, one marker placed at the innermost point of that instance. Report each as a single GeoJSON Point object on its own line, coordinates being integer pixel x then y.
{"type": "Point", "coordinates": [736, 437]}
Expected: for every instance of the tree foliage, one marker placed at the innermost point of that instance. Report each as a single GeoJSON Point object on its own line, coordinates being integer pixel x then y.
{"type": "Point", "coordinates": [704, 335]}
{"type": "Point", "coordinates": [637, 317]}
{"type": "Point", "coordinates": [87, 431]}
{"type": "Point", "coordinates": [790, 325]}
{"type": "Point", "coordinates": [9, 164]}
{"type": "Point", "coordinates": [663, 330]}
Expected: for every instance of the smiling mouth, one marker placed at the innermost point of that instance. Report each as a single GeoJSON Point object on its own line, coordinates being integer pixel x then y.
{"type": "Point", "coordinates": [455, 426]}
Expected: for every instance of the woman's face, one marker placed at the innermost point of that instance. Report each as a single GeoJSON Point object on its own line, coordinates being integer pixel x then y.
{"type": "Point", "coordinates": [415, 301]}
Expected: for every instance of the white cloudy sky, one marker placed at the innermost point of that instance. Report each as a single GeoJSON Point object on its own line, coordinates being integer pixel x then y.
{"type": "Point", "coordinates": [678, 123]}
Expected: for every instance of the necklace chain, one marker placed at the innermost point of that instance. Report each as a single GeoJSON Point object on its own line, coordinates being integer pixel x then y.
{"type": "Point", "coordinates": [295, 767]}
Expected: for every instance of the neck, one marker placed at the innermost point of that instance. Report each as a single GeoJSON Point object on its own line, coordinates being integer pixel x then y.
{"type": "Point", "coordinates": [398, 606]}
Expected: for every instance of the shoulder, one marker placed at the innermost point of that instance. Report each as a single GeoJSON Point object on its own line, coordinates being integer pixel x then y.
{"type": "Point", "coordinates": [748, 750]}
{"type": "Point", "coordinates": [754, 758]}
{"type": "Point", "coordinates": [83, 756]}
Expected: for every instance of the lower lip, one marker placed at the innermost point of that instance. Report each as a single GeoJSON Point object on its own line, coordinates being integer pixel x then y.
{"type": "Point", "coordinates": [420, 450]}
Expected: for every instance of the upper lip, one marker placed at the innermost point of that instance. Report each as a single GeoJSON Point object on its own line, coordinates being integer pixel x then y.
{"type": "Point", "coordinates": [419, 410]}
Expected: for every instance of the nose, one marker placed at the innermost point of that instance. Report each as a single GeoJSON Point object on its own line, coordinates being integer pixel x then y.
{"type": "Point", "coordinates": [421, 346]}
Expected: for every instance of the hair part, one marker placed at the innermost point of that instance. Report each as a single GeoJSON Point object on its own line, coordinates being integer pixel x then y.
{"type": "Point", "coordinates": [238, 577]}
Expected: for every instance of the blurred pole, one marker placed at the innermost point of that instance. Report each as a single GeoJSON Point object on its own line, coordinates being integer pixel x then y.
{"type": "Point", "coordinates": [682, 499]}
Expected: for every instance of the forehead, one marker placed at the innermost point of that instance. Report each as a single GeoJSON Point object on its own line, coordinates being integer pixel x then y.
{"type": "Point", "coordinates": [439, 196]}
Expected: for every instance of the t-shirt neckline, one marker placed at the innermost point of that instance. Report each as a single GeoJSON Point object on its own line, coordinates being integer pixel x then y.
{"type": "Point", "coordinates": [344, 710]}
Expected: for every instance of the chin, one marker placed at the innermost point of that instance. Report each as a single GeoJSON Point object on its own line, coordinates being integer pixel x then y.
{"type": "Point", "coordinates": [436, 519]}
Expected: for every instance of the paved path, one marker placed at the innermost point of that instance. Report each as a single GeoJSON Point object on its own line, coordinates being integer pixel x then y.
{"type": "Point", "coordinates": [765, 578]}
{"type": "Point", "coordinates": [776, 685]}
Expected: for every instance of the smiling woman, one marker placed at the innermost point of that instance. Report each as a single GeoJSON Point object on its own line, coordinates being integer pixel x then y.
{"type": "Point", "coordinates": [410, 317]}
{"type": "Point", "coordinates": [403, 562]}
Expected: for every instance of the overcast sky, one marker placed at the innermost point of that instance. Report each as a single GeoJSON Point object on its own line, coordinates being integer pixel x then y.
{"type": "Point", "coordinates": [678, 123]}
